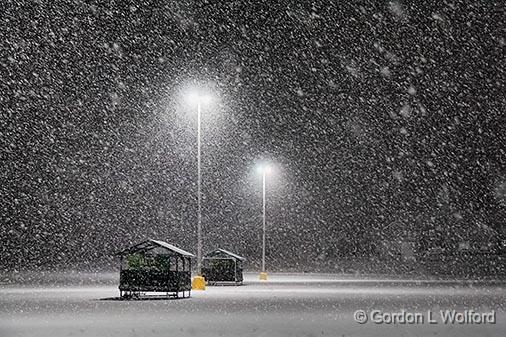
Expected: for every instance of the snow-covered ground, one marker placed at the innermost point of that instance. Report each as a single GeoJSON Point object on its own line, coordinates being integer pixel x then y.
{"type": "Point", "coordinates": [286, 305]}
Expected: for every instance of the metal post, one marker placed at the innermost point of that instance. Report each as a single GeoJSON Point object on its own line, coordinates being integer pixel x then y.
{"type": "Point", "coordinates": [199, 202]}
{"type": "Point", "coordinates": [263, 219]}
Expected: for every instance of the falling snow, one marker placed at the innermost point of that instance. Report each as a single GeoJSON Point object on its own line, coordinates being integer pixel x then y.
{"type": "Point", "coordinates": [99, 145]}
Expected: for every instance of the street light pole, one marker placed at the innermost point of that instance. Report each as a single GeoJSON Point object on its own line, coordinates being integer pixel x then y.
{"type": "Point", "coordinates": [264, 169]}
{"type": "Point", "coordinates": [263, 220]}
{"type": "Point", "coordinates": [198, 282]}
{"type": "Point", "coordinates": [199, 201]}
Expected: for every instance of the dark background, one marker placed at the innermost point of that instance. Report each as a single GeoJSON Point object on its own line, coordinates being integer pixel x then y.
{"type": "Point", "coordinates": [383, 119]}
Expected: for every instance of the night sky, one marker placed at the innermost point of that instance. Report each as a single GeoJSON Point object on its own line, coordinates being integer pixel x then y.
{"type": "Point", "coordinates": [372, 113]}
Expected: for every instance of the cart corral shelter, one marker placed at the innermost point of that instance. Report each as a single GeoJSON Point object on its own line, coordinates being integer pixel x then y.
{"type": "Point", "coordinates": [155, 266]}
{"type": "Point", "coordinates": [223, 267]}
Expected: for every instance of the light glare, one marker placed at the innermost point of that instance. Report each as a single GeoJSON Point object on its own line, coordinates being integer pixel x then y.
{"type": "Point", "coordinates": [264, 169]}
{"type": "Point", "coordinates": [198, 98]}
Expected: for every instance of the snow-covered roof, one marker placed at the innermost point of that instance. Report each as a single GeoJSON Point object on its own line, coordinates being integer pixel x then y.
{"type": "Point", "coordinates": [151, 244]}
{"type": "Point", "coordinates": [172, 247]}
{"type": "Point", "coordinates": [226, 252]}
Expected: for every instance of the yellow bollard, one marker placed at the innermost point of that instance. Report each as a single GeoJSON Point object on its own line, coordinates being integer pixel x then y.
{"type": "Point", "coordinates": [199, 283]}
{"type": "Point", "coordinates": [263, 276]}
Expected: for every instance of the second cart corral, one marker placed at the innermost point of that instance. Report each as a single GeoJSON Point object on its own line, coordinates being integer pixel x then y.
{"type": "Point", "coordinates": [223, 267]}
